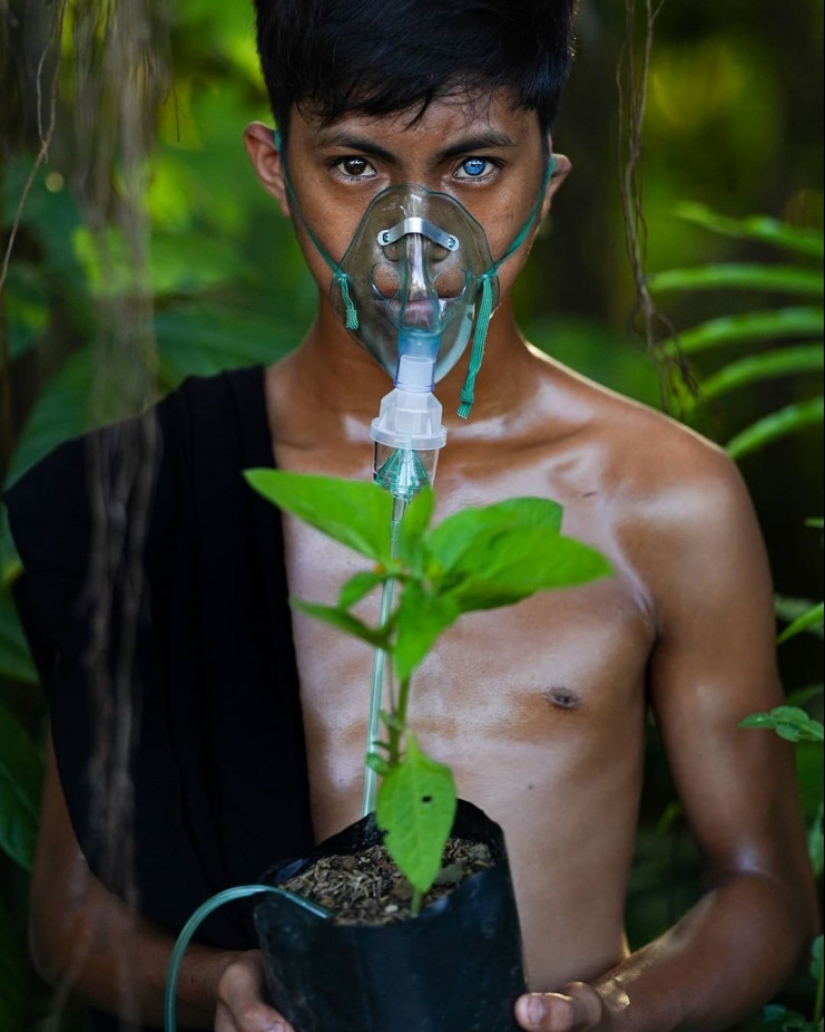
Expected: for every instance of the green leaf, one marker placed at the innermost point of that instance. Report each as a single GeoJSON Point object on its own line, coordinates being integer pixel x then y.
{"type": "Point", "coordinates": [416, 808]}
{"type": "Point", "coordinates": [378, 764]}
{"type": "Point", "coordinates": [345, 622]}
{"type": "Point", "coordinates": [818, 958]}
{"type": "Point", "coordinates": [803, 696]}
{"type": "Point", "coordinates": [421, 619]}
{"type": "Point", "coordinates": [414, 527]}
{"type": "Point", "coordinates": [511, 566]}
{"type": "Point", "coordinates": [21, 784]}
{"type": "Point", "coordinates": [816, 523]}
{"type": "Point", "coordinates": [757, 227]}
{"type": "Point", "coordinates": [356, 514]}
{"type": "Point", "coordinates": [776, 426]}
{"type": "Point", "coordinates": [814, 618]}
{"type": "Point", "coordinates": [15, 661]}
{"type": "Point", "coordinates": [464, 534]}
{"type": "Point", "coordinates": [789, 609]}
{"type": "Point", "coordinates": [810, 776]}
{"type": "Point", "coordinates": [359, 586]}
{"type": "Point", "coordinates": [767, 366]}
{"type": "Point", "coordinates": [772, 278]}
{"type": "Point", "coordinates": [789, 722]}
{"type": "Point", "coordinates": [816, 843]}
{"type": "Point", "coordinates": [753, 327]}
{"type": "Point", "coordinates": [14, 977]}
{"type": "Point", "coordinates": [62, 411]}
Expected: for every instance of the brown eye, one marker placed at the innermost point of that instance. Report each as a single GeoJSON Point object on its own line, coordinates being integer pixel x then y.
{"type": "Point", "coordinates": [356, 168]}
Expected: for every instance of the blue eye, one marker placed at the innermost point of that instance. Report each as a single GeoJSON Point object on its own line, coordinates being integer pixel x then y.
{"type": "Point", "coordinates": [475, 167]}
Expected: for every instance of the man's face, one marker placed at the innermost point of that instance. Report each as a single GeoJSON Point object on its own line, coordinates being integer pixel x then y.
{"type": "Point", "coordinates": [480, 150]}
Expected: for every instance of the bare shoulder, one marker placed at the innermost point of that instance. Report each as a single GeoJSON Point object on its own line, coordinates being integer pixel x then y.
{"type": "Point", "coordinates": [649, 462]}
{"type": "Point", "coordinates": [676, 504]}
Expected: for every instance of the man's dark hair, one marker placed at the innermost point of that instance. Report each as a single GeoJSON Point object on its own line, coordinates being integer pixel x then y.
{"type": "Point", "coordinates": [384, 56]}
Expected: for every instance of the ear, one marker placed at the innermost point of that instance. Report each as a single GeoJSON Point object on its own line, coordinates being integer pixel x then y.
{"type": "Point", "coordinates": [564, 167]}
{"type": "Point", "coordinates": [260, 145]}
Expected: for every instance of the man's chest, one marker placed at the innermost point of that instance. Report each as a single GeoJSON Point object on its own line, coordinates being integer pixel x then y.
{"type": "Point", "coordinates": [528, 696]}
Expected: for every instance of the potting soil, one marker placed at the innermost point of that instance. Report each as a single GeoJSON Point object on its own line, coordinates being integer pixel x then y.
{"type": "Point", "coordinates": [366, 888]}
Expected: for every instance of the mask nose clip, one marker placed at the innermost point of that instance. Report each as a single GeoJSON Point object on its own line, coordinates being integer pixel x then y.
{"type": "Point", "coordinates": [419, 227]}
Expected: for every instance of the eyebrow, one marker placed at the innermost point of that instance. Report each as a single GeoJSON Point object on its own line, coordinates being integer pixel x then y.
{"type": "Point", "coordinates": [491, 139]}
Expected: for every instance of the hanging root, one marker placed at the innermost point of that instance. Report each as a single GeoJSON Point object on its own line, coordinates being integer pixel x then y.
{"type": "Point", "coordinates": [656, 329]}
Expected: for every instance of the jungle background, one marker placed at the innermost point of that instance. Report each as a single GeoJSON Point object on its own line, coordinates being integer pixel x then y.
{"type": "Point", "coordinates": [146, 252]}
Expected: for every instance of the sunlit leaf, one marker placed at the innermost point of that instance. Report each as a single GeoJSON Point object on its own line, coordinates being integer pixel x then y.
{"type": "Point", "coordinates": [776, 426]}
{"type": "Point", "coordinates": [458, 541]}
{"type": "Point", "coordinates": [416, 807]}
{"type": "Point", "coordinates": [757, 227]}
{"type": "Point", "coordinates": [518, 564]}
{"type": "Point", "coordinates": [814, 618]}
{"type": "Point", "coordinates": [343, 621]}
{"type": "Point", "coordinates": [21, 780]}
{"type": "Point", "coordinates": [768, 366]}
{"type": "Point", "coordinates": [356, 514]}
{"type": "Point", "coordinates": [787, 323]}
{"type": "Point", "coordinates": [789, 722]}
{"type": "Point", "coordinates": [771, 278]}
{"type": "Point", "coordinates": [421, 620]}
{"type": "Point", "coordinates": [359, 586]}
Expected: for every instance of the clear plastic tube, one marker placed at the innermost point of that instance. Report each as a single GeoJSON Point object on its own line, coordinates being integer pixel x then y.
{"type": "Point", "coordinates": [195, 921]}
{"type": "Point", "coordinates": [379, 665]}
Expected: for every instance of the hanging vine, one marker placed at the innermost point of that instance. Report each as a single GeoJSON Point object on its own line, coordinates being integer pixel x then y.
{"type": "Point", "coordinates": [633, 76]}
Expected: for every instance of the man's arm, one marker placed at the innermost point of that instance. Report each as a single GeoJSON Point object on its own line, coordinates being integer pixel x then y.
{"type": "Point", "coordinates": [85, 937]}
{"type": "Point", "coordinates": [714, 664]}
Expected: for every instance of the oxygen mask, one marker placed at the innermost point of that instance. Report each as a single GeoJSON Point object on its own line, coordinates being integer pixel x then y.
{"type": "Point", "coordinates": [417, 284]}
{"type": "Point", "coordinates": [413, 273]}
{"type": "Point", "coordinates": [412, 276]}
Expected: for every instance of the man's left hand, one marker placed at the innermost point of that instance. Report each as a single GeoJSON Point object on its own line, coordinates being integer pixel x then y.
{"type": "Point", "coordinates": [577, 1008]}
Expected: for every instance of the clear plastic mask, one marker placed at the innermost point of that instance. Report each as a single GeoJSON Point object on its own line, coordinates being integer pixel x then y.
{"type": "Point", "coordinates": [418, 281]}
{"type": "Point", "coordinates": [413, 273]}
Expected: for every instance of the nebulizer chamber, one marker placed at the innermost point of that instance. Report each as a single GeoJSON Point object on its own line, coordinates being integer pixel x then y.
{"type": "Point", "coordinates": [407, 289]}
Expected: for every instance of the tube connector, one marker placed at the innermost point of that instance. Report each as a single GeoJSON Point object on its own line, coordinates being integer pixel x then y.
{"type": "Point", "coordinates": [408, 433]}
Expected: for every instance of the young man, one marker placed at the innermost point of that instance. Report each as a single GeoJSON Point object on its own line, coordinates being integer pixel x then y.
{"type": "Point", "coordinates": [541, 709]}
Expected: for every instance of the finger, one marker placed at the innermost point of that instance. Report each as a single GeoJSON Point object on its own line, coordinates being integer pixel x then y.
{"type": "Point", "coordinates": [576, 1009]}
{"type": "Point", "coordinates": [241, 1006]}
{"type": "Point", "coordinates": [254, 1017]}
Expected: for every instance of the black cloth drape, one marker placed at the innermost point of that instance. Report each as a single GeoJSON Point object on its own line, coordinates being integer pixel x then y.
{"type": "Point", "coordinates": [219, 771]}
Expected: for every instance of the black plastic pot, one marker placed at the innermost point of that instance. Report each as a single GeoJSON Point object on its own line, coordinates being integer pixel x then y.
{"type": "Point", "coordinates": [457, 967]}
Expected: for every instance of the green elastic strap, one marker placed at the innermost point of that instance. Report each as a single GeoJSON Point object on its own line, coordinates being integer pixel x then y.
{"type": "Point", "coordinates": [485, 312]}
{"type": "Point", "coordinates": [339, 277]}
{"type": "Point", "coordinates": [197, 919]}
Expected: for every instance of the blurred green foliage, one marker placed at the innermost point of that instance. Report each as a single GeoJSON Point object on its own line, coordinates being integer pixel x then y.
{"type": "Point", "coordinates": [734, 123]}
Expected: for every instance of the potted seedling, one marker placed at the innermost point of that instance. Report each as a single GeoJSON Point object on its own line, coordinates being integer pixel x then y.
{"type": "Point", "coordinates": [422, 930]}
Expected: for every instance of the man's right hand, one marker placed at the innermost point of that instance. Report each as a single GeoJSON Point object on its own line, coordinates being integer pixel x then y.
{"type": "Point", "coordinates": [241, 1006]}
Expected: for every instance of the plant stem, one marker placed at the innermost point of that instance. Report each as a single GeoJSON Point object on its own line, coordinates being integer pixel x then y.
{"type": "Point", "coordinates": [820, 997]}
{"type": "Point", "coordinates": [417, 902]}
{"type": "Point", "coordinates": [379, 669]}
{"type": "Point", "coordinates": [400, 722]}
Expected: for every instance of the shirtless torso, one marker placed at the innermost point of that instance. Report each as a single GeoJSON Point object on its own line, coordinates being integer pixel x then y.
{"type": "Point", "coordinates": [540, 709]}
